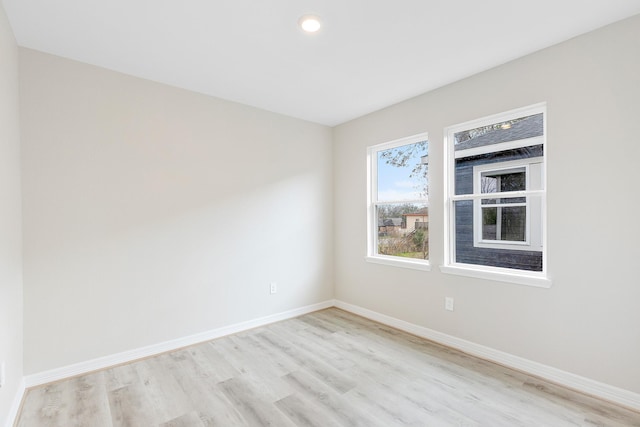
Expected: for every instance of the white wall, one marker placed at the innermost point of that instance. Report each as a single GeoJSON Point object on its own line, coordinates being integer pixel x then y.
{"type": "Point", "coordinates": [152, 213]}
{"type": "Point", "coordinates": [10, 221]}
{"type": "Point", "coordinates": [588, 322]}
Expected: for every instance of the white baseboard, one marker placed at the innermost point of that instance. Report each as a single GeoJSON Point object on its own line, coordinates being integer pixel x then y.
{"type": "Point", "coordinates": [588, 386]}
{"type": "Point", "coordinates": [15, 406]}
{"type": "Point", "coordinates": [140, 353]}
{"type": "Point", "coordinates": [585, 385]}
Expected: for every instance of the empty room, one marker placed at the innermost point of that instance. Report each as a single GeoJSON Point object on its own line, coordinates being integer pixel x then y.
{"type": "Point", "coordinates": [319, 213]}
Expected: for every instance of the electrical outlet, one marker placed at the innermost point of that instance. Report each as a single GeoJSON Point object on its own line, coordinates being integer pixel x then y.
{"type": "Point", "coordinates": [448, 303]}
{"type": "Point", "coordinates": [274, 288]}
{"type": "Point", "coordinates": [2, 374]}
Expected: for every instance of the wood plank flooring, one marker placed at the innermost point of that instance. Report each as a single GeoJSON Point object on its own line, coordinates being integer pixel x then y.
{"type": "Point", "coordinates": [328, 368]}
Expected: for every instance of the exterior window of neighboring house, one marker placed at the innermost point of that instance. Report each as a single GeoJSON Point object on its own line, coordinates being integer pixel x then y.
{"type": "Point", "coordinates": [398, 206]}
{"type": "Point", "coordinates": [513, 223]}
{"type": "Point", "coordinates": [495, 222]}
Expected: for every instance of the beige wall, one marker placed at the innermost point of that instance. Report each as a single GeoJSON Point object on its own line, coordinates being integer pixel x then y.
{"type": "Point", "coordinates": [10, 220]}
{"type": "Point", "coordinates": [587, 323]}
{"type": "Point", "coordinates": [152, 213]}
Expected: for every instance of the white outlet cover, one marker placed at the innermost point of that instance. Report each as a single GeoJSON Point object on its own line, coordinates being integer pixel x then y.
{"type": "Point", "coordinates": [448, 303]}
{"type": "Point", "coordinates": [2, 374]}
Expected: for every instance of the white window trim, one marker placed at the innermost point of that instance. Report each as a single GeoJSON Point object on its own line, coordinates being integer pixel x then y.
{"type": "Point", "coordinates": [372, 202]}
{"type": "Point", "coordinates": [497, 274]}
{"type": "Point", "coordinates": [521, 277]}
{"type": "Point", "coordinates": [412, 263]}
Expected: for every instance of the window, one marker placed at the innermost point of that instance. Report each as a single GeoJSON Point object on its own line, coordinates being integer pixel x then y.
{"type": "Point", "coordinates": [398, 207]}
{"type": "Point", "coordinates": [508, 222]}
{"type": "Point", "coordinates": [496, 195]}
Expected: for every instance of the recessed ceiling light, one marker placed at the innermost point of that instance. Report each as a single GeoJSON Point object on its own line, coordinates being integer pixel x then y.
{"type": "Point", "coordinates": [309, 23]}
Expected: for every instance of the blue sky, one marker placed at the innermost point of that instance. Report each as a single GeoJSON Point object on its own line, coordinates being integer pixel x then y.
{"type": "Point", "coordinates": [394, 182]}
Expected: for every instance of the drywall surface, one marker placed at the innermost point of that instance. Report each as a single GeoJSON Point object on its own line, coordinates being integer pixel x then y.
{"type": "Point", "coordinates": [587, 322]}
{"type": "Point", "coordinates": [10, 221]}
{"type": "Point", "coordinates": [153, 213]}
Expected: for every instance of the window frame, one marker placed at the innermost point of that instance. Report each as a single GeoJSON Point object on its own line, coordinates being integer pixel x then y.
{"type": "Point", "coordinates": [372, 204]}
{"type": "Point", "coordinates": [516, 276]}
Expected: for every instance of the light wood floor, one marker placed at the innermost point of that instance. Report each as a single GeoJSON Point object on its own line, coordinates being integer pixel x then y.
{"type": "Point", "coordinates": [328, 368]}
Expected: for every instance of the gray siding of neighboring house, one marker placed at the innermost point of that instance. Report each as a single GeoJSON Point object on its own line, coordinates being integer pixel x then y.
{"type": "Point", "coordinates": [466, 252]}
{"type": "Point", "coordinates": [528, 127]}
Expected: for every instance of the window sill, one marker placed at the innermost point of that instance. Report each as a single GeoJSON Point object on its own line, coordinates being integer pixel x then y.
{"type": "Point", "coordinates": [414, 264]}
{"type": "Point", "coordinates": [536, 280]}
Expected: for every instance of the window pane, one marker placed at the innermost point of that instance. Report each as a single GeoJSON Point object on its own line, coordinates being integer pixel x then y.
{"type": "Point", "coordinates": [504, 221]}
{"type": "Point", "coordinates": [513, 181]}
{"type": "Point", "coordinates": [497, 181]}
{"type": "Point", "coordinates": [513, 222]}
{"type": "Point", "coordinates": [489, 223]}
{"type": "Point", "coordinates": [519, 258]}
{"type": "Point", "coordinates": [402, 172]}
{"type": "Point", "coordinates": [489, 184]}
{"type": "Point", "coordinates": [510, 130]}
{"type": "Point", "coordinates": [464, 170]}
{"type": "Point", "coordinates": [403, 230]}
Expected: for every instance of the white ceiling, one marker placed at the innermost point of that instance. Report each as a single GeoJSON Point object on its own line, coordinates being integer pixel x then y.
{"type": "Point", "coordinates": [368, 55]}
